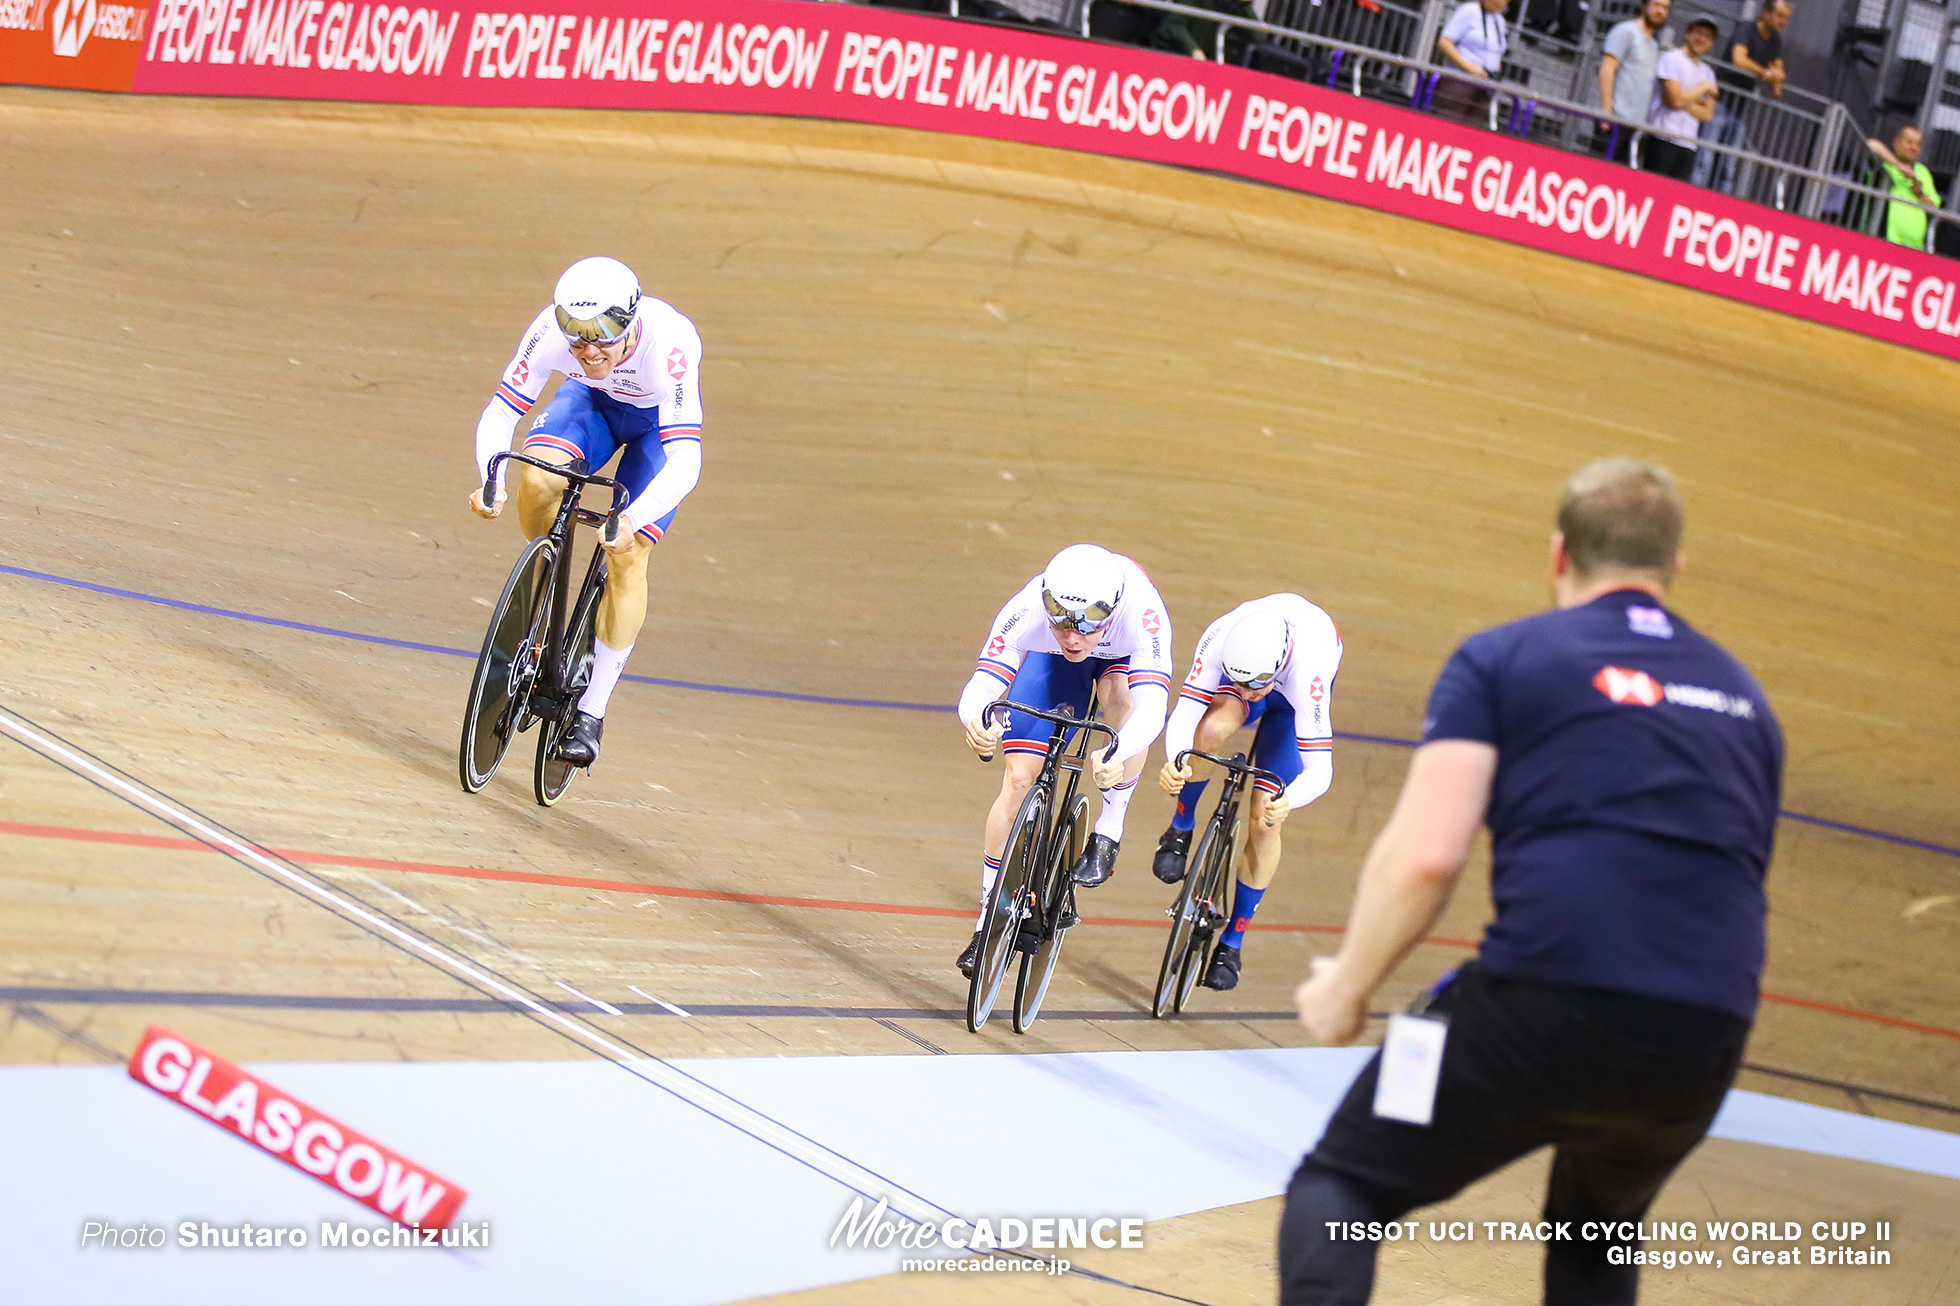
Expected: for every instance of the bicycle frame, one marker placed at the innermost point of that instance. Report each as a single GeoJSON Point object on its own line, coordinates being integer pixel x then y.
{"type": "Point", "coordinates": [1204, 900]}
{"type": "Point", "coordinates": [1069, 757]}
{"type": "Point", "coordinates": [554, 672]}
{"type": "Point", "coordinates": [1230, 790]}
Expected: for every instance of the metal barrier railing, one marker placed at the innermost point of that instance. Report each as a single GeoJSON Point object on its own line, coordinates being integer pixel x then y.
{"type": "Point", "coordinates": [1828, 184]}
{"type": "Point", "coordinates": [1822, 169]}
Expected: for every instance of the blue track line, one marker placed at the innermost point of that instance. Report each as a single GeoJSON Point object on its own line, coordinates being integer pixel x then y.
{"type": "Point", "coordinates": [1389, 741]}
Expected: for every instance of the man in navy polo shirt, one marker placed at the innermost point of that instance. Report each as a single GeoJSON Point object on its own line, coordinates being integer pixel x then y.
{"type": "Point", "coordinates": [1630, 773]}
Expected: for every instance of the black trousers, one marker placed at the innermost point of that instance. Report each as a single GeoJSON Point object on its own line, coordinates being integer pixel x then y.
{"type": "Point", "coordinates": [1622, 1086]}
{"type": "Point", "coordinates": [1667, 158]}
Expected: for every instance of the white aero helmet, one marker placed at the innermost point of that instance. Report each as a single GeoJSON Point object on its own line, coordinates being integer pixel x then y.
{"type": "Point", "coordinates": [1081, 588]}
{"type": "Point", "coordinates": [1255, 649]}
{"type": "Point", "coordinates": [596, 300]}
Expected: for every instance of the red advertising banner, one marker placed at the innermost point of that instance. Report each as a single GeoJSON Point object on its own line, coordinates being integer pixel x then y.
{"type": "Point", "coordinates": [86, 44]}
{"type": "Point", "coordinates": [275, 1121]}
{"type": "Point", "coordinates": [793, 57]}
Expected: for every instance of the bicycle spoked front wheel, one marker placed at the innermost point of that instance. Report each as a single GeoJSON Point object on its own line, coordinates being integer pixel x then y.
{"type": "Point", "coordinates": [1052, 896]}
{"type": "Point", "coordinates": [1209, 911]}
{"type": "Point", "coordinates": [1184, 921]}
{"type": "Point", "coordinates": [1007, 908]}
{"type": "Point", "coordinates": [551, 775]}
{"type": "Point", "coordinates": [506, 668]}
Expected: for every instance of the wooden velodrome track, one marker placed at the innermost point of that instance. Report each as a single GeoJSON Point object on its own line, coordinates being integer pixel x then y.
{"type": "Point", "coordinates": [249, 342]}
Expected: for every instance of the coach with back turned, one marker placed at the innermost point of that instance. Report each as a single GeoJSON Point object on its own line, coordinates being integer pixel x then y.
{"type": "Point", "coordinates": [1630, 771]}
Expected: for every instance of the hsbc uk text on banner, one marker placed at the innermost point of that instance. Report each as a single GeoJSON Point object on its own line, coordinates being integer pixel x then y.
{"type": "Point", "coordinates": [851, 62]}
{"type": "Point", "coordinates": [90, 45]}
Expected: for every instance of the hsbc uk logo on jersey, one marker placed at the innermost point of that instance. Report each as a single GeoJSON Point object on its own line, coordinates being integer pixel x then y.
{"type": "Point", "coordinates": [1625, 685]}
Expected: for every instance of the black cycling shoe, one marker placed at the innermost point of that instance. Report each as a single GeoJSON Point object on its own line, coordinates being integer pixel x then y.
{"type": "Point", "coordinates": [971, 957]}
{"type": "Point", "coordinates": [580, 746]}
{"type": "Point", "coordinates": [1224, 972]}
{"type": "Point", "coordinates": [1172, 849]}
{"type": "Point", "coordinates": [1097, 863]}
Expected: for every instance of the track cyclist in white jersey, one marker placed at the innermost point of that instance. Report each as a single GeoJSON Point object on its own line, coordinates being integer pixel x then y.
{"type": "Point", "coordinates": [1269, 663]}
{"type": "Point", "coordinates": [1092, 620]}
{"type": "Point", "coordinates": [632, 367]}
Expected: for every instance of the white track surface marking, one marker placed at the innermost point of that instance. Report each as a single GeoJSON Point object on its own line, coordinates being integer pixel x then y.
{"type": "Point", "coordinates": [729, 1111]}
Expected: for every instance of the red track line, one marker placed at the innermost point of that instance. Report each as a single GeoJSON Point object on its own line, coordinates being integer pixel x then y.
{"type": "Point", "coordinates": [775, 900]}
{"type": "Point", "coordinates": [580, 882]}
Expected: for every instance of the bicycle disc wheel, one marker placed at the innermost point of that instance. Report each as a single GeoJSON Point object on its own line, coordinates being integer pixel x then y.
{"type": "Point", "coordinates": [1038, 967]}
{"type": "Point", "coordinates": [1007, 907]}
{"type": "Point", "coordinates": [551, 776]}
{"type": "Point", "coordinates": [505, 668]}
{"type": "Point", "coordinates": [1205, 926]}
{"type": "Point", "coordinates": [1184, 922]}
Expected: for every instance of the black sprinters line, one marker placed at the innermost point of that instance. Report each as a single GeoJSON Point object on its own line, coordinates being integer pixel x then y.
{"type": "Point", "coordinates": [355, 1002]}
{"type": "Point", "coordinates": [487, 970]}
{"type": "Point", "coordinates": [330, 895]}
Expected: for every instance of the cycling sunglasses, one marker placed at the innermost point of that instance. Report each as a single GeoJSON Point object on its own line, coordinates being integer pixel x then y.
{"type": "Point", "coordinates": [1088, 620]}
{"type": "Point", "coordinates": [608, 328]}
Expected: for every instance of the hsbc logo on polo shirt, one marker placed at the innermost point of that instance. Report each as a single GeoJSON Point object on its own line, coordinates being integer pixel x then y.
{"type": "Point", "coordinates": [1624, 686]}
{"type": "Point", "coordinates": [676, 364]}
{"type": "Point", "coordinates": [1641, 689]}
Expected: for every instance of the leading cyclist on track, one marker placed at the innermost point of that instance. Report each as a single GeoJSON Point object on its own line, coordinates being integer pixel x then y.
{"type": "Point", "coordinates": [1092, 620]}
{"type": "Point", "coordinates": [1269, 663]}
{"type": "Point", "coordinates": [632, 371]}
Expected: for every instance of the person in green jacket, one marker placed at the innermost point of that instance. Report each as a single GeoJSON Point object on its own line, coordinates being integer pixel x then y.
{"type": "Point", "coordinates": [1905, 224]}
{"type": "Point", "coordinates": [1193, 36]}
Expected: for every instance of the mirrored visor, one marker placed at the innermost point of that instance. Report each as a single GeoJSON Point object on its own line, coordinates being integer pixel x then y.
{"type": "Point", "coordinates": [608, 328]}
{"type": "Point", "coordinates": [1088, 620]}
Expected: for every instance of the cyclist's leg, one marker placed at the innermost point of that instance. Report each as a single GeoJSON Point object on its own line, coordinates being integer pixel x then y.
{"type": "Point", "coordinates": [1045, 681]}
{"type": "Point", "coordinates": [1227, 715]}
{"type": "Point", "coordinates": [1113, 700]}
{"type": "Point", "coordinates": [570, 428]}
{"type": "Point", "coordinates": [1275, 748]}
{"type": "Point", "coordinates": [1018, 774]}
{"type": "Point", "coordinates": [623, 606]}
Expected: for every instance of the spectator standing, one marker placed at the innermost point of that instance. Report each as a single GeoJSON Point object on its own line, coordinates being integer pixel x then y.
{"type": "Point", "coordinates": [1756, 51]}
{"type": "Point", "coordinates": [1684, 99]}
{"type": "Point", "coordinates": [1193, 36]}
{"type": "Point", "coordinates": [1630, 771]}
{"type": "Point", "coordinates": [1473, 40]}
{"type": "Point", "coordinates": [1912, 181]}
{"type": "Point", "coordinates": [1626, 72]}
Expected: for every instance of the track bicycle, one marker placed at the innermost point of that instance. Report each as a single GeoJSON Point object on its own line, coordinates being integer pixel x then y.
{"type": "Point", "coordinates": [536, 661]}
{"type": "Point", "coordinates": [1202, 905]}
{"type": "Point", "coordinates": [1032, 904]}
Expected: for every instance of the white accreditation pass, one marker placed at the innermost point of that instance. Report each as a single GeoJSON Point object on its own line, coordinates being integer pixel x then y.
{"type": "Point", "coordinates": [1412, 1059]}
